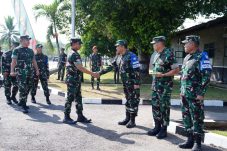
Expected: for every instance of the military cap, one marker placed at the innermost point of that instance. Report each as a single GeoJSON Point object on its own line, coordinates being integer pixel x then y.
{"type": "Point", "coordinates": [25, 37]}
{"type": "Point", "coordinates": [158, 39]}
{"type": "Point", "coordinates": [121, 42]}
{"type": "Point", "coordinates": [75, 40]}
{"type": "Point", "coordinates": [39, 46]}
{"type": "Point", "coordinates": [191, 38]}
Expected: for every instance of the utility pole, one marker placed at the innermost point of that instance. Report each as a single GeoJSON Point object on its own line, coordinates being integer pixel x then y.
{"type": "Point", "coordinates": [73, 18]}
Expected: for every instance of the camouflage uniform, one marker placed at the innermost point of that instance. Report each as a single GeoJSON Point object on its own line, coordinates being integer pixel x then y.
{"type": "Point", "coordinates": [73, 81]}
{"type": "Point", "coordinates": [195, 76]}
{"type": "Point", "coordinates": [9, 80]}
{"type": "Point", "coordinates": [96, 63]}
{"type": "Point", "coordinates": [24, 70]}
{"type": "Point", "coordinates": [130, 76]}
{"type": "Point", "coordinates": [42, 62]}
{"type": "Point", "coordinates": [162, 87]}
{"type": "Point", "coordinates": [61, 66]}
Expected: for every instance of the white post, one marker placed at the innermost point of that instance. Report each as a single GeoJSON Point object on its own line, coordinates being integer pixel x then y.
{"type": "Point", "coordinates": [73, 18]}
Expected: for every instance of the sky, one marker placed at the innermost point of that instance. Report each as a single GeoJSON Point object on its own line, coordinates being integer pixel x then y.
{"type": "Point", "coordinates": [40, 26]}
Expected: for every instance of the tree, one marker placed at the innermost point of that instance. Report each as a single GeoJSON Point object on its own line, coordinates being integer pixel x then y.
{"type": "Point", "coordinates": [53, 12]}
{"type": "Point", "coordinates": [9, 34]}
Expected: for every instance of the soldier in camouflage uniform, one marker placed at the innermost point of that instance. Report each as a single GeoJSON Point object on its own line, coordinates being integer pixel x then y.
{"type": "Point", "coordinates": [9, 80]}
{"type": "Point", "coordinates": [195, 76]}
{"type": "Point", "coordinates": [23, 58]}
{"type": "Point", "coordinates": [74, 68]}
{"type": "Point", "coordinates": [42, 62]}
{"type": "Point", "coordinates": [164, 68]}
{"type": "Point", "coordinates": [95, 65]}
{"type": "Point", "coordinates": [61, 65]}
{"type": "Point", "coordinates": [130, 75]}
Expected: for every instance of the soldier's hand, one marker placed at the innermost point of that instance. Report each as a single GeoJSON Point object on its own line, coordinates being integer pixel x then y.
{"type": "Point", "coordinates": [136, 86]}
{"type": "Point", "coordinates": [199, 97]}
{"type": "Point", "coordinates": [37, 72]}
{"type": "Point", "coordinates": [96, 75]}
{"type": "Point", "coordinates": [13, 74]}
{"type": "Point", "coordinates": [5, 74]}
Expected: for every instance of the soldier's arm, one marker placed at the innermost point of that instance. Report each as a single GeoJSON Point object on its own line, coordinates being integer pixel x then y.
{"type": "Point", "coordinates": [47, 67]}
{"type": "Point", "coordinates": [205, 74]}
{"type": "Point", "coordinates": [35, 66]}
{"type": "Point", "coordinates": [84, 70]}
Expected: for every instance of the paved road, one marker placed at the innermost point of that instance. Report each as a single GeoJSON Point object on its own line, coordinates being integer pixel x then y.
{"type": "Point", "coordinates": [42, 129]}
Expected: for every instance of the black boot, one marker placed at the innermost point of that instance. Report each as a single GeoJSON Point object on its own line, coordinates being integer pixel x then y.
{"type": "Point", "coordinates": [126, 120]}
{"type": "Point", "coordinates": [155, 130]}
{"type": "Point", "coordinates": [48, 100]}
{"type": "Point", "coordinates": [197, 145]}
{"type": "Point", "coordinates": [163, 133]}
{"type": "Point", "coordinates": [188, 144]}
{"type": "Point", "coordinates": [98, 87]}
{"type": "Point", "coordinates": [68, 120]}
{"type": "Point", "coordinates": [131, 123]}
{"type": "Point", "coordinates": [24, 108]}
{"type": "Point", "coordinates": [13, 98]}
{"type": "Point", "coordinates": [8, 101]}
{"type": "Point", "coordinates": [33, 99]}
{"type": "Point", "coordinates": [81, 118]}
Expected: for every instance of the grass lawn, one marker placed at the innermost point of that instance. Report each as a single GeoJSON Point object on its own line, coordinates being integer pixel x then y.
{"type": "Point", "coordinates": [114, 91]}
{"type": "Point", "coordinates": [223, 133]}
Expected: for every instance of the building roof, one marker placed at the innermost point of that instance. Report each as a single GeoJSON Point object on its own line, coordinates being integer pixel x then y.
{"type": "Point", "coordinates": [215, 22]}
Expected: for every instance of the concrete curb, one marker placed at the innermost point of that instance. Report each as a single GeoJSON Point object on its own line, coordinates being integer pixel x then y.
{"type": "Point", "coordinates": [208, 138]}
{"type": "Point", "coordinates": [174, 102]}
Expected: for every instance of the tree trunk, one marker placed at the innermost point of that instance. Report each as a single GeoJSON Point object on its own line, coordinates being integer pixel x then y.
{"type": "Point", "coordinates": [56, 37]}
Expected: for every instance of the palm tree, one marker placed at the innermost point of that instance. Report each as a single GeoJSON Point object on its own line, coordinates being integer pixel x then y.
{"type": "Point", "coordinates": [9, 34]}
{"type": "Point", "coordinates": [53, 12]}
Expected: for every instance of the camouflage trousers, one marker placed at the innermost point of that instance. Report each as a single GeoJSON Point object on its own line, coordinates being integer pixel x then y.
{"type": "Point", "coordinates": [160, 101]}
{"type": "Point", "coordinates": [25, 82]}
{"type": "Point", "coordinates": [8, 83]}
{"type": "Point", "coordinates": [44, 84]}
{"type": "Point", "coordinates": [132, 98]}
{"type": "Point", "coordinates": [73, 94]}
{"type": "Point", "coordinates": [93, 79]}
{"type": "Point", "coordinates": [193, 115]}
{"type": "Point", "coordinates": [61, 71]}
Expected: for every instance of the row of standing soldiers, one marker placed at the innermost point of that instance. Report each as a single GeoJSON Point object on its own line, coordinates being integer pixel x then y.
{"type": "Point", "coordinates": [195, 76]}
{"type": "Point", "coordinates": [22, 75]}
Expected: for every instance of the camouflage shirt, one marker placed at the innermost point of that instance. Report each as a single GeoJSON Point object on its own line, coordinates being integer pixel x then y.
{"type": "Point", "coordinates": [195, 74]}
{"type": "Point", "coordinates": [42, 62]}
{"type": "Point", "coordinates": [6, 61]}
{"type": "Point", "coordinates": [24, 57]}
{"type": "Point", "coordinates": [129, 68]}
{"type": "Point", "coordinates": [71, 69]}
{"type": "Point", "coordinates": [96, 61]}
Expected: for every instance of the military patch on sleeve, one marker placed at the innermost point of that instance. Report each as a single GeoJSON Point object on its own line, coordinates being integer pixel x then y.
{"type": "Point", "coordinates": [134, 61]}
{"type": "Point", "coordinates": [205, 62]}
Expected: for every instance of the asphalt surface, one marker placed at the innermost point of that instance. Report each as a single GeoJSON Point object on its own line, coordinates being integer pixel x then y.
{"type": "Point", "coordinates": [42, 129]}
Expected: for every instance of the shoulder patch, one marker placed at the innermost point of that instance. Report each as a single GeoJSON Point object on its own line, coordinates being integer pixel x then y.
{"type": "Point", "coordinates": [134, 60]}
{"type": "Point", "coordinates": [205, 62]}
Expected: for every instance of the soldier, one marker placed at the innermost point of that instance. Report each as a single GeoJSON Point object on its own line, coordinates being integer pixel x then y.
{"type": "Point", "coordinates": [23, 58]}
{"type": "Point", "coordinates": [164, 68]}
{"type": "Point", "coordinates": [117, 58]}
{"type": "Point", "coordinates": [9, 80]}
{"type": "Point", "coordinates": [195, 76]}
{"type": "Point", "coordinates": [42, 62]}
{"type": "Point", "coordinates": [95, 65]}
{"type": "Point", "coordinates": [130, 75]}
{"type": "Point", "coordinates": [74, 68]}
{"type": "Point", "coordinates": [61, 65]}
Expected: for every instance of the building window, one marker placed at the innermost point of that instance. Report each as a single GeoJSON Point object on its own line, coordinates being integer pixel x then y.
{"type": "Point", "coordinates": [179, 56]}
{"type": "Point", "coordinates": [210, 49]}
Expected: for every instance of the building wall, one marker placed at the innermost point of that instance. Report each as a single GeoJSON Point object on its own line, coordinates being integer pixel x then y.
{"type": "Point", "coordinates": [208, 35]}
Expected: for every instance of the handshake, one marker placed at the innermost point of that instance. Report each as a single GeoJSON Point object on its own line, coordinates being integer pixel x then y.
{"type": "Point", "coordinates": [95, 74]}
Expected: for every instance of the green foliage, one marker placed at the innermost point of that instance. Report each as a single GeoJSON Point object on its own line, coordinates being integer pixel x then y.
{"type": "Point", "coordinates": [8, 32]}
